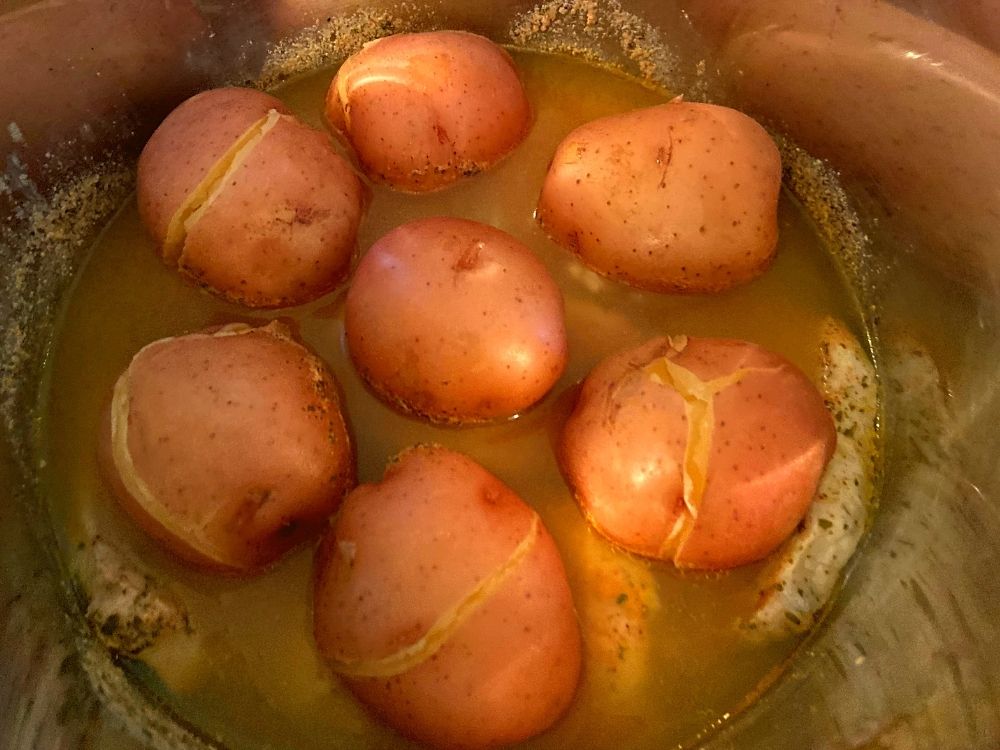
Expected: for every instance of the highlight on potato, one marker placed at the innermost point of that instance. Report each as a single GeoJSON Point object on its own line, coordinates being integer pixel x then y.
{"type": "Point", "coordinates": [455, 321]}
{"type": "Point", "coordinates": [704, 452]}
{"type": "Point", "coordinates": [442, 601]}
{"type": "Point", "coordinates": [678, 197]}
{"type": "Point", "coordinates": [247, 201]}
{"type": "Point", "coordinates": [228, 446]}
{"type": "Point", "coordinates": [426, 109]}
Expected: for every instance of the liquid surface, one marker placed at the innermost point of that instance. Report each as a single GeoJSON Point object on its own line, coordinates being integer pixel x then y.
{"type": "Point", "coordinates": [249, 674]}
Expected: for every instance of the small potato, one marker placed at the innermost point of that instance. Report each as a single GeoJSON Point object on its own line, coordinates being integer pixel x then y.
{"type": "Point", "coordinates": [423, 110]}
{"type": "Point", "coordinates": [229, 447]}
{"type": "Point", "coordinates": [674, 198]}
{"type": "Point", "coordinates": [455, 321]}
{"type": "Point", "coordinates": [249, 202]}
{"type": "Point", "coordinates": [706, 452]}
{"type": "Point", "coordinates": [442, 601]}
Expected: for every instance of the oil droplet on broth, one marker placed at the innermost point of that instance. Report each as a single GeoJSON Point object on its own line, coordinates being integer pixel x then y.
{"type": "Point", "coordinates": [663, 658]}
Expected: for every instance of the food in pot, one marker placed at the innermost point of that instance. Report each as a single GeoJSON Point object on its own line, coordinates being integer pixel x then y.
{"type": "Point", "coordinates": [664, 663]}
{"type": "Point", "coordinates": [616, 606]}
{"type": "Point", "coordinates": [135, 613]}
{"type": "Point", "coordinates": [229, 446]}
{"type": "Point", "coordinates": [456, 321]}
{"type": "Point", "coordinates": [679, 197]}
{"type": "Point", "coordinates": [799, 581]}
{"type": "Point", "coordinates": [705, 452]}
{"type": "Point", "coordinates": [441, 599]}
{"type": "Point", "coordinates": [126, 605]}
{"type": "Point", "coordinates": [423, 110]}
{"type": "Point", "coordinates": [247, 201]}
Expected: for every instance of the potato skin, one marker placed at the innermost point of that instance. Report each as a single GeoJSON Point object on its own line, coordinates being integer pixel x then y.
{"type": "Point", "coordinates": [188, 143]}
{"type": "Point", "coordinates": [239, 439]}
{"type": "Point", "coordinates": [456, 321]}
{"type": "Point", "coordinates": [405, 550]}
{"type": "Point", "coordinates": [279, 228]}
{"type": "Point", "coordinates": [284, 230]}
{"type": "Point", "coordinates": [623, 451]}
{"type": "Point", "coordinates": [423, 110]}
{"type": "Point", "coordinates": [673, 198]}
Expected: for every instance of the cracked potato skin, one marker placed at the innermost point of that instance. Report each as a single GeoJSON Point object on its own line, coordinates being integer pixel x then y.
{"type": "Point", "coordinates": [280, 213]}
{"type": "Point", "coordinates": [401, 553]}
{"type": "Point", "coordinates": [238, 440]}
{"type": "Point", "coordinates": [283, 232]}
{"type": "Point", "coordinates": [189, 142]}
{"type": "Point", "coordinates": [678, 197]}
{"type": "Point", "coordinates": [426, 109]}
{"type": "Point", "coordinates": [623, 453]}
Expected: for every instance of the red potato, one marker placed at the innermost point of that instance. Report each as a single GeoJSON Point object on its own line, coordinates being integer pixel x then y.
{"type": "Point", "coordinates": [183, 151]}
{"type": "Point", "coordinates": [674, 198]}
{"type": "Point", "coordinates": [423, 110]}
{"type": "Point", "coordinates": [456, 321]}
{"type": "Point", "coordinates": [442, 601]}
{"type": "Point", "coordinates": [249, 202]}
{"type": "Point", "coordinates": [706, 452]}
{"type": "Point", "coordinates": [229, 447]}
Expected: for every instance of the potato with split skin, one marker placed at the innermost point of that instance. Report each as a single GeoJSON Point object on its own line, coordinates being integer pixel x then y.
{"type": "Point", "coordinates": [247, 201]}
{"type": "Point", "coordinates": [423, 110]}
{"type": "Point", "coordinates": [455, 321]}
{"type": "Point", "coordinates": [704, 452]}
{"type": "Point", "coordinates": [442, 601]}
{"type": "Point", "coordinates": [673, 198]}
{"type": "Point", "coordinates": [228, 446]}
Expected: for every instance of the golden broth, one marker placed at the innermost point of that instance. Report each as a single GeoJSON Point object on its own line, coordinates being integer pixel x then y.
{"type": "Point", "coordinates": [252, 677]}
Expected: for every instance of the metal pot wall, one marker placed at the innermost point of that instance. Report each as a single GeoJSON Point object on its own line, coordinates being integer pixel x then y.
{"type": "Point", "coordinates": [902, 99]}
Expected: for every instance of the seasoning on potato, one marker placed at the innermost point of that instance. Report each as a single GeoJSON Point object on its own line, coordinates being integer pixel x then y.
{"type": "Point", "coordinates": [455, 321]}
{"type": "Point", "coordinates": [442, 600]}
{"type": "Point", "coordinates": [249, 202]}
{"type": "Point", "coordinates": [423, 110]}
{"type": "Point", "coordinates": [229, 446]}
{"type": "Point", "coordinates": [705, 452]}
{"type": "Point", "coordinates": [673, 198]}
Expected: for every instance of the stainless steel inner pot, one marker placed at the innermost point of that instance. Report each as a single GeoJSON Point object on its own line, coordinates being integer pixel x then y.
{"type": "Point", "coordinates": [901, 99]}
